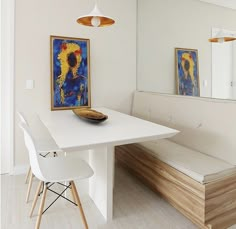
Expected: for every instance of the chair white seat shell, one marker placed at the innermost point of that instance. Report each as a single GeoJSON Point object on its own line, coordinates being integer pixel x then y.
{"type": "Point", "coordinates": [60, 169]}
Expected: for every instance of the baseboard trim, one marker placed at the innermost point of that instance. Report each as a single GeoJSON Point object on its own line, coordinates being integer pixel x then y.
{"type": "Point", "coordinates": [19, 170]}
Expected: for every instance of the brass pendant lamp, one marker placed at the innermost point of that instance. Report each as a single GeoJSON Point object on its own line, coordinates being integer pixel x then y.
{"type": "Point", "coordinates": [222, 37]}
{"type": "Point", "coordinates": [95, 18]}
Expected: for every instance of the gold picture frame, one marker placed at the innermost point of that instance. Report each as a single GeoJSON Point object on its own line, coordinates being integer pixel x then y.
{"type": "Point", "coordinates": [70, 73]}
{"type": "Point", "coordinates": [187, 72]}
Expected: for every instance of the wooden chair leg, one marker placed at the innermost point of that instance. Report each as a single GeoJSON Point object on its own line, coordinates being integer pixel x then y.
{"type": "Point", "coordinates": [41, 207]}
{"type": "Point", "coordinates": [79, 204]}
{"type": "Point", "coordinates": [36, 197]}
{"type": "Point", "coordinates": [73, 194]}
{"type": "Point", "coordinates": [29, 186]}
{"type": "Point", "coordinates": [27, 176]}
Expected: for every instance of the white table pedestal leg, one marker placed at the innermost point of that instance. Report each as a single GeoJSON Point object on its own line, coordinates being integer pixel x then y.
{"type": "Point", "coordinates": [101, 184]}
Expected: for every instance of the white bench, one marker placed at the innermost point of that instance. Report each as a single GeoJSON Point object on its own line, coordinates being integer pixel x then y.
{"type": "Point", "coordinates": [195, 170]}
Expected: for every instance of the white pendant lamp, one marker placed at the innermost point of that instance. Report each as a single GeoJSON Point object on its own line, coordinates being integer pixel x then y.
{"type": "Point", "coordinates": [222, 37]}
{"type": "Point", "coordinates": [95, 18]}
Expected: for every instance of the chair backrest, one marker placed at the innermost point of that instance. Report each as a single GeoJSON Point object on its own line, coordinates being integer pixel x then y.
{"type": "Point", "coordinates": [22, 117]}
{"type": "Point", "coordinates": [33, 154]}
{"type": "Point", "coordinates": [42, 137]}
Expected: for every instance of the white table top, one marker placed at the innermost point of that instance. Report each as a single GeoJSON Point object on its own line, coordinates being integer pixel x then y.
{"type": "Point", "coordinates": [70, 132]}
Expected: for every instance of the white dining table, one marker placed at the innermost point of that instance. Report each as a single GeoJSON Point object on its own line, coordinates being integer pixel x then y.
{"type": "Point", "coordinates": [71, 133]}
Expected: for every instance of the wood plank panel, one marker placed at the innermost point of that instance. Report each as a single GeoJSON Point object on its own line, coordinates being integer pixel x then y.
{"type": "Point", "coordinates": [153, 163]}
{"type": "Point", "coordinates": [211, 205]}
{"type": "Point", "coordinates": [221, 198]}
{"type": "Point", "coordinates": [225, 220]}
{"type": "Point", "coordinates": [178, 188]}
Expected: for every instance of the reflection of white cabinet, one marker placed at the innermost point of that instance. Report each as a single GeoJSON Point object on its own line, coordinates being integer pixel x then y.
{"type": "Point", "coordinates": [223, 69]}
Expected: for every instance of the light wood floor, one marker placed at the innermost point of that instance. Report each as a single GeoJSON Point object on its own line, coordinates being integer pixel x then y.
{"type": "Point", "coordinates": [135, 207]}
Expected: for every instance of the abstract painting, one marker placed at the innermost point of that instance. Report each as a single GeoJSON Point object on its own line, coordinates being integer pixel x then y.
{"type": "Point", "coordinates": [187, 75]}
{"type": "Point", "coordinates": [70, 73]}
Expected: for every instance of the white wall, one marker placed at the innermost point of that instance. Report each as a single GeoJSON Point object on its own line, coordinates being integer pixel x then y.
{"type": "Point", "coordinates": [1, 87]}
{"type": "Point", "coordinates": [113, 54]}
{"type": "Point", "coordinates": [6, 81]}
{"type": "Point", "coordinates": [166, 24]}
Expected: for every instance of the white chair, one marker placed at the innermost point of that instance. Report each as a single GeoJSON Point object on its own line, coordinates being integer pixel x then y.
{"type": "Point", "coordinates": [52, 170]}
{"type": "Point", "coordinates": [23, 120]}
{"type": "Point", "coordinates": [45, 144]}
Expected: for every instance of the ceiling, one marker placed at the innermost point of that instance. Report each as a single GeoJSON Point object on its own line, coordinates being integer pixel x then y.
{"type": "Point", "coordinates": [225, 3]}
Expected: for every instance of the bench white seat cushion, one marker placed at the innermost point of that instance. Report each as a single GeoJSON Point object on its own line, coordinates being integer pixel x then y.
{"type": "Point", "coordinates": [201, 167]}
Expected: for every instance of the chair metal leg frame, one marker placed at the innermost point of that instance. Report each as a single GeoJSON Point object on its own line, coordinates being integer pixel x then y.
{"type": "Point", "coordinates": [63, 184]}
{"type": "Point", "coordinates": [38, 193]}
{"type": "Point", "coordinates": [59, 195]}
{"type": "Point", "coordinates": [46, 186]}
{"type": "Point", "coordinates": [44, 155]}
{"type": "Point", "coordinates": [52, 185]}
{"type": "Point", "coordinates": [43, 188]}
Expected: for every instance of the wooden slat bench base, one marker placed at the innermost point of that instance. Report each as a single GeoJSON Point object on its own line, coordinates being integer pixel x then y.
{"type": "Point", "coordinates": [208, 206]}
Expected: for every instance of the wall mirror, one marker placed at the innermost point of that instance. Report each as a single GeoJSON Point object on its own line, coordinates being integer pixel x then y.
{"type": "Point", "coordinates": [164, 25]}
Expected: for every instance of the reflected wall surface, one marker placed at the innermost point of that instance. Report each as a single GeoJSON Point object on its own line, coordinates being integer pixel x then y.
{"type": "Point", "coordinates": [164, 25]}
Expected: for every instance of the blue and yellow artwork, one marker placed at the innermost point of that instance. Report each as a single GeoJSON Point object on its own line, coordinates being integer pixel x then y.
{"type": "Point", "coordinates": [70, 76]}
{"type": "Point", "coordinates": [187, 75]}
